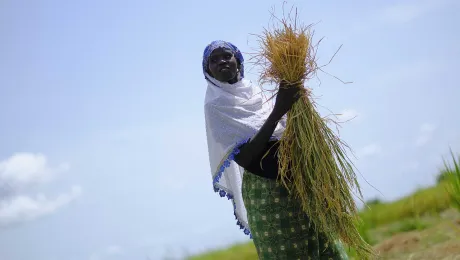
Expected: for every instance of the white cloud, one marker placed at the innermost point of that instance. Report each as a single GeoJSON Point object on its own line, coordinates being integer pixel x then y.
{"type": "Point", "coordinates": [6, 190]}
{"type": "Point", "coordinates": [369, 150]}
{"type": "Point", "coordinates": [347, 115]}
{"type": "Point", "coordinates": [26, 168]}
{"type": "Point", "coordinates": [24, 208]}
{"type": "Point", "coordinates": [425, 134]}
{"type": "Point", "coordinates": [18, 172]}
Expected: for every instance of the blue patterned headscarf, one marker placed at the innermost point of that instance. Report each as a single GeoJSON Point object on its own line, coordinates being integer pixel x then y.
{"type": "Point", "coordinates": [222, 44]}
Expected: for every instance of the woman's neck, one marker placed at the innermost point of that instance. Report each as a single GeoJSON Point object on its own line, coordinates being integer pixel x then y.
{"type": "Point", "coordinates": [235, 79]}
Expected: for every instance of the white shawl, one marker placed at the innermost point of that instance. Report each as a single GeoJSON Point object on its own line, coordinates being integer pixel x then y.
{"type": "Point", "coordinates": [233, 113]}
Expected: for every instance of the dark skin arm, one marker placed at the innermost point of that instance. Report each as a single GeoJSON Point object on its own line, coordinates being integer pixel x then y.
{"type": "Point", "coordinates": [257, 146]}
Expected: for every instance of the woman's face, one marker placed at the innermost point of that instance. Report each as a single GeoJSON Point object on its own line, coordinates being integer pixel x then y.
{"type": "Point", "coordinates": [223, 65]}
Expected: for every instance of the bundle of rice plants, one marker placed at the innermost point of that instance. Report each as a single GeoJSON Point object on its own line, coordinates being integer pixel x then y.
{"type": "Point", "coordinates": [314, 165]}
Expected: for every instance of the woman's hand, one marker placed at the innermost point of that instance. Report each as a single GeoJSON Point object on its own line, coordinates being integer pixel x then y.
{"type": "Point", "coordinates": [285, 99]}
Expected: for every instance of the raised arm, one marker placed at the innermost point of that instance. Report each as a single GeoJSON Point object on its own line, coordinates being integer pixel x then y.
{"type": "Point", "coordinates": [286, 97]}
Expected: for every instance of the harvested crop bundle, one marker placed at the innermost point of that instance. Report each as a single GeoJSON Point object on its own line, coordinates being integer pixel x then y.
{"type": "Point", "coordinates": [320, 175]}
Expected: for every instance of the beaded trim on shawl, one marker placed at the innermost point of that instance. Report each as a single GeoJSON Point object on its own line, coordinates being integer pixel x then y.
{"type": "Point", "coordinates": [226, 193]}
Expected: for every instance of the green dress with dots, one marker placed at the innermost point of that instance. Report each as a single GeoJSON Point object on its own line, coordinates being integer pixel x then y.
{"type": "Point", "coordinates": [279, 228]}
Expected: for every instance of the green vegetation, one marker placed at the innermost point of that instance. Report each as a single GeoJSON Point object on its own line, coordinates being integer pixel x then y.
{"type": "Point", "coordinates": [452, 174]}
{"type": "Point", "coordinates": [423, 225]}
{"type": "Point", "coordinates": [429, 201]}
{"type": "Point", "coordinates": [243, 252]}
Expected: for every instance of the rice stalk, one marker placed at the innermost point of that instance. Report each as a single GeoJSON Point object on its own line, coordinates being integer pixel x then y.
{"type": "Point", "coordinates": [320, 175]}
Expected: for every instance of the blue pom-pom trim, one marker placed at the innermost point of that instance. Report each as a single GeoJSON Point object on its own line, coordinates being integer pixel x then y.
{"type": "Point", "coordinates": [223, 193]}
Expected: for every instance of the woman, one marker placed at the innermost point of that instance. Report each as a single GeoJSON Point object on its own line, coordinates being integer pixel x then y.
{"type": "Point", "coordinates": [242, 129]}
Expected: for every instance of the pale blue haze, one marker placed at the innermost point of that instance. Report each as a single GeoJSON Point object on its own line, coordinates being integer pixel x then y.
{"type": "Point", "coordinates": [115, 90]}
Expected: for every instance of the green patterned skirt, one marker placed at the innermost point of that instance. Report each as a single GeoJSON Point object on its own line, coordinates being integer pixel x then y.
{"type": "Point", "coordinates": [279, 228]}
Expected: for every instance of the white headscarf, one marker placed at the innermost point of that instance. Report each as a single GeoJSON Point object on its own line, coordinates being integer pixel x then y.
{"type": "Point", "coordinates": [234, 113]}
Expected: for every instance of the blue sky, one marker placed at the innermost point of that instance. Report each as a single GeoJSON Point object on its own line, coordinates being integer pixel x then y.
{"type": "Point", "coordinates": [103, 145]}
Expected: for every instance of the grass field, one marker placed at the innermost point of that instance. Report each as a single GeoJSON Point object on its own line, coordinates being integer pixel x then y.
{"type": "Point", "coordinates": [424, 225]}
